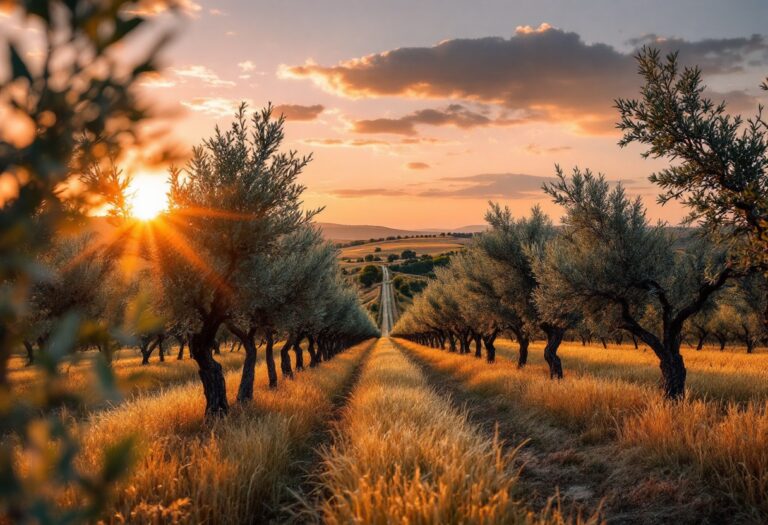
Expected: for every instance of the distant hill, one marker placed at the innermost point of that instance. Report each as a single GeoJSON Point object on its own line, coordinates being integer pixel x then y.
{"type": "Point", "coordinates": [360, 232]}
{"type": "Point", "coordinates": [472, 228]}
{"type": "Point", "coordinates": [357, 232]}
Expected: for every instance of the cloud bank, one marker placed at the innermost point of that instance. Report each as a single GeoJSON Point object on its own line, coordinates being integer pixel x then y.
{"type": "Point", "coordinates": [545, 73]}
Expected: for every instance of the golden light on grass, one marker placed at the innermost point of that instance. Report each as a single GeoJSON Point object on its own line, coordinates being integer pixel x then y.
{"type": "Point", "coordinates": [234, 471]}
{"type": "Point", "coordinates": [719, 434]}
{"type": "Point", "coordinates": [403, 454]}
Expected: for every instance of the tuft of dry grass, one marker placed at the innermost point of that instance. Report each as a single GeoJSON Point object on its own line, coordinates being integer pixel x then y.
{"type": "Point", "coordinates": [729, 450]}
{"type": "Point", "coordinates": [228, 472]}
{"type": "Point", "coordinates": [404, 455]}
{"type": "Point", "coordinates": [725, 443]}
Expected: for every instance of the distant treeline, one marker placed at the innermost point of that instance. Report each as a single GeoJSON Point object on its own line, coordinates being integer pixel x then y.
{"type": "Point", "coordinates": [400, 237]}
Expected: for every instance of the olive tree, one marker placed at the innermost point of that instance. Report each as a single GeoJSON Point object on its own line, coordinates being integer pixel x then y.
{"type": "Point", "coordinates": [237, 196]}
{"type": "Point", "coordinates": [75, 284]}
{"type": "Point", "coordinates": [720, 169]}
{"type": "Point", "coordinates": [517, 245]}
{"type": "Point", "coordinates": [610, 261]}
{"type": "Point", "coordinates": [748, 299]}
{"type": "Point", "coordinates": [481, 308]}
{"type": "Point", "coordinates": [273, 299]}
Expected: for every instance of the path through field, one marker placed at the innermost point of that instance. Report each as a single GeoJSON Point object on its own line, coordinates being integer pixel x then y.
{"type": "Point", "coordinates": [388, 312]}
{"type": "Point", "coordinates": [403, 453]}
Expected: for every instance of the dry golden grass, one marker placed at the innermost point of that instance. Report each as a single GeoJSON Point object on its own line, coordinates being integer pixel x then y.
{"type": "Point", "coordinates": [725, 443]}
{"type": "Point", "coordinates": [590, 405]}
{"type": "Point", "coordinates": [732, 375]}
{"type": "Point", "coordinates": [404, 455]}
{"type": "Point", "coordinates": [131, 376]}
{"type": "Point", "coordinates": [728, 450]}
{"type": "Point", "coordinates": [228, 472]}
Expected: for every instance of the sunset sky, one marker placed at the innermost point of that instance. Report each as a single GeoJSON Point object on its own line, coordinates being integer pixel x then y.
{"type": "Point", "coordinates": [419, 112]}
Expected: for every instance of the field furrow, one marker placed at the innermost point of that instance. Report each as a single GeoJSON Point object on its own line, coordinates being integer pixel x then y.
{"type": "Point", "coordinates": [403, 454]}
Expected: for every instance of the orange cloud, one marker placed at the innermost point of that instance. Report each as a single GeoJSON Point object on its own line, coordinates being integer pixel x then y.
{"type": "Point", "coordinates": [299, 112]}
{"type": "Point", "coordinates": [338, 142]}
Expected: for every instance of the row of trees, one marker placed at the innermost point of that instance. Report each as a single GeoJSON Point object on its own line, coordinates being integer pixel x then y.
{"type": "Point", "coordinates": [607, 268]}
{"type": "Point", "coordinates": [234, 254]}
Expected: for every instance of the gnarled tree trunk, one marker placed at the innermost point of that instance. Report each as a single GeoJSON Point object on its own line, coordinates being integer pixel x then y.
{"type": "Point", "coordinates": [522, 342]}
{"type": "Point", "coordinates": [451, 342]}
{"type": "Point", "coordinates": [673, 375]}
{"type": "Point", "coordinates": [285, 359]}
{"type": "Point", "coordinates": [248, 376]}
{"type": "Point", "coordinates": [554, 338]}
{"type": "Point", "coordinates": [490, 348]}
{"type": "Point", "coordinates": [182, 342]}
{"type": "Point", "coordinates": [210, 371]}
{"type": "Point", "coordinates": [313, 359]}
{"type": "Point", "coordinates": [299, 353]}
{"type": "Point", "coordinates": [270, 358]}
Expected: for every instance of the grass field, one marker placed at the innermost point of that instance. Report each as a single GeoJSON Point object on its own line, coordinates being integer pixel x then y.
{"type": "Point", "coordinates": [695, 461]}
{"type": "Point", "coordinates": [393, 432]}
{"type": "Point", "coordinates": [429, 246]}
{"type": "Point", "coordinates": [234, 470]}
{"type": "Point", "coordinates": [132, 378]}
{"type": "Point", "coordinates": [726, 376]}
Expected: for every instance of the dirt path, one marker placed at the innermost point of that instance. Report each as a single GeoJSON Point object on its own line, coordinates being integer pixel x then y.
{"type": "Point", "coordinates": [556, 462]}
{"type": "Point", "coordinates": [388, 315]}
{"type": "Point", "coordinates": [299, 485]}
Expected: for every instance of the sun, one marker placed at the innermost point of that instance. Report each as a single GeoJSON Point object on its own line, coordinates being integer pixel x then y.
{"type": "Point", "coordinates": [148, 197]}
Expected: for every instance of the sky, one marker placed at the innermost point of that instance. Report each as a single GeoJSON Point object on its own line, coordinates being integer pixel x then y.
{"type": "Point", "coordinates": [419, 112]}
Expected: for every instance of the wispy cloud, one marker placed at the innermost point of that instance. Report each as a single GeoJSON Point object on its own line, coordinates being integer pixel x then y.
{"type": "Point", "coordinates": [156, 80]}
{"type": "Point", "coordinates": [489, 186]}
{"type": "Point", "coordinates": [355, 143]}
{"type": "Point", "coordinates": [537, 149]}
{"type": "Point", "coordinates": [455, 115]}
{"type": "Point", "coordinates": [417, 166]}
{"type": "Point", "coordinates": [484, 186]}
{"type": "Point", "coordinates": [350, 193]}
{"type": "Point", "coordinates": [215, 106]}
{"type": "Point", "coordinates": [203, 74]}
